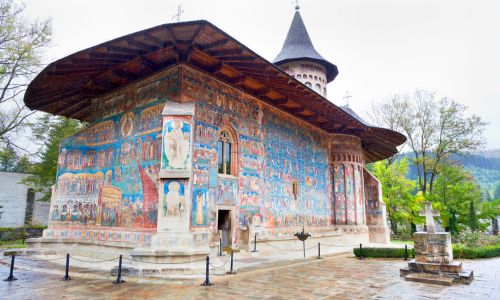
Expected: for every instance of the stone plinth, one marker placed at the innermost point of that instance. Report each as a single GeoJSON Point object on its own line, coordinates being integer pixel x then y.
{"type": "Point", "coordinates": [433, 261]}
{"type": "Point", "coordinates": [433, 247]}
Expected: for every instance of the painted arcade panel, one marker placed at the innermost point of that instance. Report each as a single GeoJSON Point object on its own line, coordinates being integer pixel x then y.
{"type": "Point", "coordinates": [339, 194]}
{"type": "Point", "coordinates": [108, 173]}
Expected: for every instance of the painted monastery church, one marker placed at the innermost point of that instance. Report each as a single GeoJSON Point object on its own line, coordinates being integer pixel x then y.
{"type": "Point", "coordinates": [194, 138]}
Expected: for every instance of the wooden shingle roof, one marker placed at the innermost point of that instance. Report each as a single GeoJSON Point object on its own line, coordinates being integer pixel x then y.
{"type": "Point", "coordinates": [66, 86]}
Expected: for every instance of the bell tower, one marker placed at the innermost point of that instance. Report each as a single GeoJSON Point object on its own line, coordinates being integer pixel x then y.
{"type": "Point", "coordinates": [300, 60]}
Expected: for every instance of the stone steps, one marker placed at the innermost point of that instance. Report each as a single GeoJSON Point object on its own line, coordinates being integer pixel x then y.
{"type": "Point", "coordinates": [430, 278]}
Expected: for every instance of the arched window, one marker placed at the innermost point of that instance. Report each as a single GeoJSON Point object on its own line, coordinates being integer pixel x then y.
{"type": "Point", "coordinates": [299, 76]}
{"type": "Point", "coordinates": [308, 84]}
{"type": "Point", "coordinates": [227, 152]}
{"type": "Point", "coordinates": [318, 87]}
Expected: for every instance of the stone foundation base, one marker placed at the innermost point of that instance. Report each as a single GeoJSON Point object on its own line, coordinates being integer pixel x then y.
{"type": "Point", "coordinates": [88, 248]}
{"type": "Point", "coordinates": [379, 234]}
{"type": "Point", "coordinates": [443, 274]}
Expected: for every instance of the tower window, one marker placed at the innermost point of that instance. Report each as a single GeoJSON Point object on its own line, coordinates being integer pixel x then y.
{"type": "Point", "coordinates": [308, 84]}
{"type": "Point", "coordinates": [298, 76]}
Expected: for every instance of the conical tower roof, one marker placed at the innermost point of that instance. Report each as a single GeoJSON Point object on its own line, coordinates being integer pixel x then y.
{"type": "Point", "coordinates": [298, 46]}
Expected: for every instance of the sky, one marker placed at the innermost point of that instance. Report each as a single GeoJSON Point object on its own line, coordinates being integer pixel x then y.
{"type": "Point", "coordinates": [381, 47]}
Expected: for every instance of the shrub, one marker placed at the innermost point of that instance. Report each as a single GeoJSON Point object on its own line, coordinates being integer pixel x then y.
{"type": "Point", "coordinates": [20, 233]}
{"type": "Point", "coordinates": [383, 252]}
{"type": "Point", "coordinates": [460, 251]}
{"type": "Point", "coordinates": [476, 239]}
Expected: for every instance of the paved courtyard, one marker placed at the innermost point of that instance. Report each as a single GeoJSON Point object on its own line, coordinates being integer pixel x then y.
{"type": "Point", "coordinates": [332, 278]}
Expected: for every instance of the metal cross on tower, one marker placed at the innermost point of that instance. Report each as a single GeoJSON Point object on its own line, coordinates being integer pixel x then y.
{"type": "Point", "coordinates": [297, 6]}
{"type": "Point", "coordinates": [429, 215]}
{"type": "Point", "coordinates": [347, 97]}
{"type": "Point", "coordinates": [179, 12]}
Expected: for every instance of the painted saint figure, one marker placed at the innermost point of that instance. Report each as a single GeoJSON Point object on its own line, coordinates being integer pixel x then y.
{"type": "Point", "coordinates": [176, 145]}
{"type": "Point", "coordinates": [173, 202]}
{"type": "Point", "coordinates": [199, 209]}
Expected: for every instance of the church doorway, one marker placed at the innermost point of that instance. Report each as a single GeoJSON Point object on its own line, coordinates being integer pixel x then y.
{"type": "Point", "coordinates": [224, 226]}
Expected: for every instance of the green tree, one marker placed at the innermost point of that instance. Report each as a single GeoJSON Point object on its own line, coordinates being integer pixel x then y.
{"type": "Point", "coordinates": [435, 130]}
{"type": "Point", "coordinates": [473, 224]}
{"type": "Point", "coordinates": [454, 190]}
{"type": "Point", "coordinates": [397, 192]}
{"type": "Point", "coordinates": [50, 132]}
{"type": "Point", "coordinates": [496, 195]}
{"type": "Point", "coordinates": [22, 45]}
{"type": "Point", "coordinates": [10, 161]}
{"type": "Point", "coordinates": [490, 211]}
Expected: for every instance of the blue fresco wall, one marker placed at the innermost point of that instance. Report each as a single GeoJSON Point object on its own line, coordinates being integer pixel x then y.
{"type": "Point", "coordinates": [107, 178]}
{"type": "Point", "coordinates": [274, 150]}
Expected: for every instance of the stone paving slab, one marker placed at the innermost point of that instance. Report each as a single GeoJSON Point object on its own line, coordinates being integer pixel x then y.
{"type": "Point", "coordinates": [330, 278]}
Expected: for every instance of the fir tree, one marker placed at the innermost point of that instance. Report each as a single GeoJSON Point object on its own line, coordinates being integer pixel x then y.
{"type": "Point", "coordinates": [473, 219]}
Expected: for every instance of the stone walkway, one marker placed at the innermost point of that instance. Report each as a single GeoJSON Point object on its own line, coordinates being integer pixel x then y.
{"type": "Point", "coordinates": [341, 277]}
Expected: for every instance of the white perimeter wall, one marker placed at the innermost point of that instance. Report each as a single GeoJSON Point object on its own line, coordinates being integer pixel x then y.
{"type": "Point", "coordinates": [13, 197]}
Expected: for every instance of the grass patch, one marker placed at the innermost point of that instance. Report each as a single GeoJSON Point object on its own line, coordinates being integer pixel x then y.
{"type": "Point", "coordinates": [459, 251]}
{"type": "Point", "coordinates": [13, 244]}
{"type": "Point", "coordinates": [404, 242]}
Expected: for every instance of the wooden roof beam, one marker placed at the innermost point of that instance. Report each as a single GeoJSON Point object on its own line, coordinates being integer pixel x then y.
{"type": "Point", "coordinates": [296, 110]}
{"type": "Point", "coordinates": [125, 50]}
{"type": "Point", "coordinates": [113, 56]}
{"type": "Point", "coordinates": [225, 52]}
{"type": "Point", "coordinates": [124, 74]}
{"type": "Point", "coordinates": [237, 58]}
{"type": "Point", "coordinates": [214, 44]}
{"type": "Point", "coordinates": [147, 63]}
{"type": "Point", "coordinates": [157, 42]}
{"type": "Point", "coordinates": [238, 80]}
{"type": "Point", "coordinates": [262, 91]}
{"type": "Point", "coordinates": [142, 46]}
{"type": "Point", "coordinates": [280, 101]}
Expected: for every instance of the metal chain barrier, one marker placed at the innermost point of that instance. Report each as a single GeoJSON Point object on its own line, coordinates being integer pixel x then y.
{"type": "Point", "coordinates": [221, 266]}
{"type": "Point", "coordinates": [165, 263]}
{"type": "Point", "coordinates": [36, 259]}
{"type": "Point", "coordinates": [94, 261]}
{"type": "Point", "coordinates": [271, 245]}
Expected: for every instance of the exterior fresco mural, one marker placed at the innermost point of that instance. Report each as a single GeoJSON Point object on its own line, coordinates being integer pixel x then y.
{"type": "Point", "coordinates": [295, 154]}
{"type": "Point", "coordinates": [360, 207]}
{"type": "Point", "coordinates": [110, 177]}
{"type": "Point", "coordinates": [287, 156]}
{"type": "Point", "coordinates": [107, 179]}
{"type": "Point", "coordinates": [174, 195]}
{"type": "Point", "coordinates": [203, 208]}
{"type": "Point", "coordinates": [340, 199]}
{"type": "Point", "coordinates": [177, 143]}
{"type": "Point", "coordinates": [350, 196]}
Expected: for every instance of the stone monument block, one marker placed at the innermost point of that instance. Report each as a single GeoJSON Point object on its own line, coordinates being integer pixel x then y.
{"type": "Point", "coordinates": [433, 261]}
{"type": "Point", "coordinates": [433, 247]}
